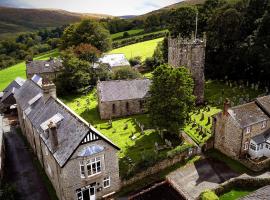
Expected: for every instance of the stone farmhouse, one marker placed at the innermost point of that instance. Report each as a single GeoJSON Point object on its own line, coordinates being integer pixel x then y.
{"type": "Point", "coordinates": [47, 69]}
{"type": "Point", "coordinates": [122, 97]}
{"type": "Point", "coordinates": [113, 61]}
{"type": "Point", "coordinates": [244, 131]}
{"type": "Point", "coordinates": [80, 162]}
{"type": "Point", "coordinates": [190, 54]}
{"type": "Point", "coordinates": [7, 98]}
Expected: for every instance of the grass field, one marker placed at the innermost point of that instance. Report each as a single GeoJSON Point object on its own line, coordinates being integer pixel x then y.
{"type": "Point", "coordinates": [142, 49]}
{"type": "Point", "coordinates": [130, 32]}
{"type": "Point", "coordinates": [10, 73]}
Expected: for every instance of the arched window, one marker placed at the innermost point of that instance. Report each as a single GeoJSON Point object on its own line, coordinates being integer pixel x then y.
{"type": "Point", "coordinates": [127, 107]}
{"type": "Point", "coordinates": [113, 108]}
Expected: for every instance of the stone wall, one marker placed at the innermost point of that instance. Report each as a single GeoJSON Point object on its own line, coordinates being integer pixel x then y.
{"type": "Point", "coordinates": [163, 164]}
{"type": "Point", "coordinates": [71, 178]}
{"type": "Point", "coordinates": [113, 109]}
{"type": "Point", "coordinates": [191, 54]}
{"type": "Point", "coordinates": [228, 136]}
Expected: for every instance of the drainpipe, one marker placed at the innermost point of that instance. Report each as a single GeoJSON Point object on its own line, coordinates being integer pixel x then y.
{"type": "Point", "coordinates": [241, 143]}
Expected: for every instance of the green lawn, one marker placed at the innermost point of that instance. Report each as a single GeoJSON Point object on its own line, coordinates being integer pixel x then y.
{"type": "Point", "coordinates": [130, 32]}
{"type": "Point", "coordinates": [235, 194]}
{"type": "Point", "coordinates": [142, 49]}
{"type": "Point", "coordinates": [10, 73]}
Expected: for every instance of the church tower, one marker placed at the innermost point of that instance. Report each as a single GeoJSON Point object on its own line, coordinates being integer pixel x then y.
{"type": "Point", "coordinates": [189, 53]}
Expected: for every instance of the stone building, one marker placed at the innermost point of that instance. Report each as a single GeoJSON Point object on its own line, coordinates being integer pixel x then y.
{"type": "Point", "coordinates": [122, 97]}
{"type": "Point", "coordinates": [244, 131]}
{"type": "Point", "coordinates": [80, 162]}
{"type": "Point", "coordinates": [190, 54]}
{"type": "Point", "coordinates": [46, 69]}
{"type": "Point", "coordinates": [7, 98]}
{"type": "Point", "coordinates": [113, 61]}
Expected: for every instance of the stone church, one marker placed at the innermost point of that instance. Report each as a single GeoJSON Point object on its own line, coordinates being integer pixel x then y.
{"type": "Point", "coordinates": [191, 54]}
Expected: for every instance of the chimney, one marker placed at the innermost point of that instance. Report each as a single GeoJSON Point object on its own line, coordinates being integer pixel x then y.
{"type": "Point", "coordinates": [49, 89]}
{"type": "Point", "coordinates": [227, 105]}
{"type": "Point", "coordinates": [53, 136]}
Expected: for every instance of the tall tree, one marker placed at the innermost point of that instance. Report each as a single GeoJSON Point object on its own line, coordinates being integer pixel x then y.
{"type": "Point", "coordinates": [182, 21]}
{"type": "Point", "coordinates": [87, 31]}
{"type": "Point", "coordinates": [171, 98]}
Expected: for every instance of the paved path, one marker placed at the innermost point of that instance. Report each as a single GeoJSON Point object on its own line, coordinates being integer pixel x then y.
{"type": "Point", "coordinates": [195, 178]}
{"type": "Point", "coordinates": [20, 169]}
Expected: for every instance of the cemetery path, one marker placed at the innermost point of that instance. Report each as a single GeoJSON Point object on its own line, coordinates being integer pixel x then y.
{"type": "Point", "coordinates": [20, 170]}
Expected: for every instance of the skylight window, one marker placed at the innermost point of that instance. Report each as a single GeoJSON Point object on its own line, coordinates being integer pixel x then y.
{"type": "Point", "coordinates": [34, 99]}
{"type": "Point", "coordinates": [55, 119]}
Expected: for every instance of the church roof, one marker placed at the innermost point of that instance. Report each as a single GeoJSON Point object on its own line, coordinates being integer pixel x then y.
{"type": "Point", "coordinates": [262, 193]}
{"type": "Point", "coordinates": [123, 89]}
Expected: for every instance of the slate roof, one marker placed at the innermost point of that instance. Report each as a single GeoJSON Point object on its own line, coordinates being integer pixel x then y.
{"type": "Point", "coordinates": [262, 194]}
{"type": "Point", "coordinates": [264, 103]}
{"type": "Point", "coordinates": [114, 60]}
{"type": "Point", "coordinates": [262, 138]}
{"type": "Point", "coordinates": [43, 66]}
{"type": "Point", "coordinates": [9, 91]}
{"type": "Point", "coordinates": [247, 114]}
{"type": "Point", "coordinates": [123, 89]}
{"type": "Point", "coordinates": [17, 83]}
{"type": "Point", "coordinates": [71, 130]}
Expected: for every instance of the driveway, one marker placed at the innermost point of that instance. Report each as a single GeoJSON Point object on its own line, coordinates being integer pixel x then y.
{"type": "Point", "coordinates": [195, 178]}
{"type": "Point", "coordinates": [20, 170]}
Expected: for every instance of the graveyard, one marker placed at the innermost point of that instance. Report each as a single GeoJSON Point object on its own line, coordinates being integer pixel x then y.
{"type": "Point", "coordinates": [140, 142]}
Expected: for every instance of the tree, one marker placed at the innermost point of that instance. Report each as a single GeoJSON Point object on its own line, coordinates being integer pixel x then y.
{"type": "Point", "coordinates": [75, 75]}
{"type": "Point", "coordinates": [87, 52]}
{"type": "Point", "coordinates": [182, 21]}
{"type": "Point", "coordinates": [171, 98]}
{"type": "Point", "coordinates": [87, 31]}
{"type": "Point", "coordinates": [125, 73]}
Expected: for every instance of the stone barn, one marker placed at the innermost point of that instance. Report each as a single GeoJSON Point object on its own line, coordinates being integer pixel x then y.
{"type": "Point", "coordinates": [122, 97]}
{"type": "Point", "coordinates": [46, 69]}
{"type": "Point", "coordinates": [190, 54]}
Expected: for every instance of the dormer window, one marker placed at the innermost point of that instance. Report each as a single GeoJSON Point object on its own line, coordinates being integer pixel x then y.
{"type": "Point", "coordinates": [248, 129]}
{"type": "Point", "coordinates": [263, 124]}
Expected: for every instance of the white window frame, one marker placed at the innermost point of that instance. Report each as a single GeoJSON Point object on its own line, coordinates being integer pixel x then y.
{"type": "Point", "coordinates": [107, 182]}
{"type": "Point", "coordinates": [92, 166]}
{"type": "Point", "coordinates": [246, 145]}
{"type": "Point", "coordinates": [82, 170]}
{"type": "Point", "coordinates": [264, 124]}
{"type": "Point", "coordinates": [248, 129]}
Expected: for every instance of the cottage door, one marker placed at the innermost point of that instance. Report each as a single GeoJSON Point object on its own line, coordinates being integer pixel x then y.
{"type": "Point", "coordinates": [92, 193]}
{"type": "Point", "coordinates": [86, 194]}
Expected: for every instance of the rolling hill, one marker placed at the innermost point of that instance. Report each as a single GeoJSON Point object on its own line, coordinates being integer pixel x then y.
{"type": "Point", "coordinates": [16, 20]}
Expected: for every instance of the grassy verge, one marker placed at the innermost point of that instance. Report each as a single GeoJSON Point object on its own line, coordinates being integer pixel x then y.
{"type": "Point", "coordinates": [9, 74]}
{"type": "Point", "coordinates": [142, 49]}
{"type": "Point", "coordinates": [235, 194]}
{"type": "Point", "coordinates": [39, 168]}
{"type": "Point", "coordinates": [233, 164]}
{"type": "Point", "coordinates": [150, 180]}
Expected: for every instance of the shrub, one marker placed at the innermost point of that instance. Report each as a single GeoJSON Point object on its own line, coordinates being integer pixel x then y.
{"type": "Point", "coordinates": [126, 73]}
{"type": "Point", "coordinates": [135, 61]}
{"type": "Point", "coordinates": [179, 149]}
{"type": "Point", "coordinates": [209, 195]}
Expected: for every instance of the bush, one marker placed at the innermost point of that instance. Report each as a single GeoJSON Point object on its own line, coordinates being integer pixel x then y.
{"type": "Point", "coordinates": [135, 61]}
{"type": "Point", "coordinates": [125, 34]}
{"type": "Point", "coordinates": [209, 195]}
{"type": "Point", "coordinates": [125, 73]}
{"type": "Point", "coordinates": [179, 149]}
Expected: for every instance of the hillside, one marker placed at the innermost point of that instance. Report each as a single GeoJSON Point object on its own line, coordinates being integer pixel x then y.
{"type": "Point", "coordinates": [173, 6]}
{"type": "Point", "coordinates": [16, 20]}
